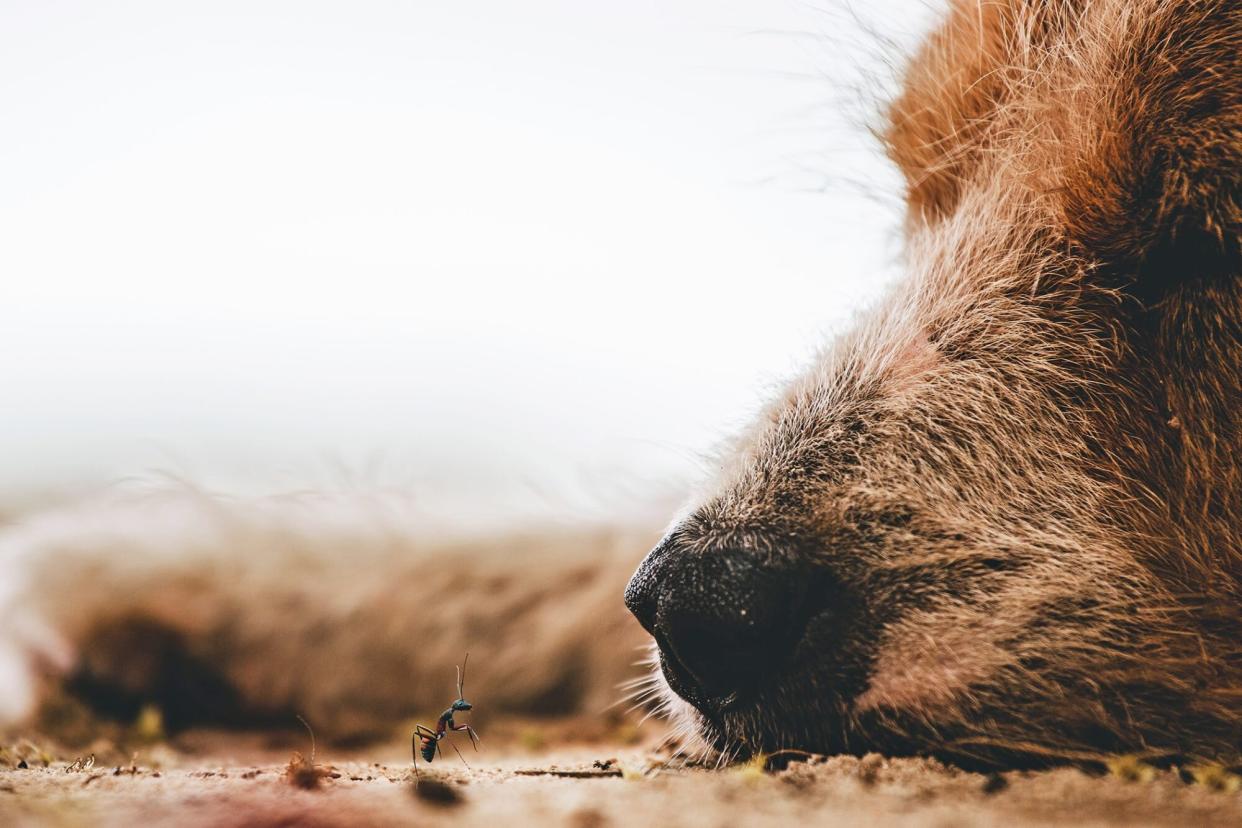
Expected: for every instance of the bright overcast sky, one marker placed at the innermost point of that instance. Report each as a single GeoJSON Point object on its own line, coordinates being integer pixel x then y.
{"type": "Point", "coordinates": [472, 248]}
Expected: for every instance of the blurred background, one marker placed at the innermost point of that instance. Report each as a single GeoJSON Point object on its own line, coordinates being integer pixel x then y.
{"type": "Point", "coordinates": [509, 258]}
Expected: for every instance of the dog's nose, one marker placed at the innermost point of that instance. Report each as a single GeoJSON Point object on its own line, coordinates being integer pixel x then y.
{"type": "Point", "coordinates": [723, 620]}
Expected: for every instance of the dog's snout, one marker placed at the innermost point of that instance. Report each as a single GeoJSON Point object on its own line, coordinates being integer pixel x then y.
{"type": "Point", "coordinates": [723, 619]}
{"type": "Point", "coordinates": [641, 593]}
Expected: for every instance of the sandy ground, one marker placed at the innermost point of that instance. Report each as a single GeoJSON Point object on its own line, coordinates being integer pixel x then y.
{"type": "Point", "coordinates": [238, 780]}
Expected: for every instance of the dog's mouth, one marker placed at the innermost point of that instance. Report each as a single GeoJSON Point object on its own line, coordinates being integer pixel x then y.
{"type": "Point", "coordinates": [752, 684]}
{"type": "Point", "coordinates": [805, 693]}
{"type": "Point", "coordinates": [683, 681]}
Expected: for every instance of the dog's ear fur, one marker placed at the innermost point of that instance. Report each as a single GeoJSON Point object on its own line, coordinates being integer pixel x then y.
{"type": "Point", "coordinates": [1124, 118]}
{"type": "Point", "coordinates": [955, 90]}
{"type": "Point", "coordinates": [1155, 186]}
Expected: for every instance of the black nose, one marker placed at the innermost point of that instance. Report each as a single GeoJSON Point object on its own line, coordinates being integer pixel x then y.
{"type": "Point", "coordinates": [724, 620]}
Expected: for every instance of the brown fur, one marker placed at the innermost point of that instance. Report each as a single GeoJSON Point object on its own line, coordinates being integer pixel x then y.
{"type": "Point", "coordinates": [1024, 468]}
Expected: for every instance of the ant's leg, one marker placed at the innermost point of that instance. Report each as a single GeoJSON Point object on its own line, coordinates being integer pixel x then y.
{"type": "Point", "coordinates": [423, 732]}
{"type": "Point", "coordinates": [420, 732]}
{"type": "Point", "coordinates": [459, 756]}
{"type": "Point", "coordinates": [474, 737]}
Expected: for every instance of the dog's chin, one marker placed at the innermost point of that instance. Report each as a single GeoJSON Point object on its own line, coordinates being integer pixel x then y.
{"type": "Point", "coordinates": [714, 732]}
{"type": "Point", "coordinates": [759, 723]}
{"type": "Point", "coordinates": [694, 735]}
{"type": "Point", "coordinates": [722, 738]}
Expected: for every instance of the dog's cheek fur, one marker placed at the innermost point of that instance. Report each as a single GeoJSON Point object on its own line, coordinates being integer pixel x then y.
{"type": "Point", "coordinates": [1027, 458]}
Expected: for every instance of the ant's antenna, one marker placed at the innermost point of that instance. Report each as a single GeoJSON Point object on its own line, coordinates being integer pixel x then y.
{"type": "Point", "coordinates": [312, 735]}
{"type": "Point", "coordinates": [461, 677]}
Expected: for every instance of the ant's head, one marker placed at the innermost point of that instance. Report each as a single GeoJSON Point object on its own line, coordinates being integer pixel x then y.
{"type": "Point", "coordinates": [461, 703]}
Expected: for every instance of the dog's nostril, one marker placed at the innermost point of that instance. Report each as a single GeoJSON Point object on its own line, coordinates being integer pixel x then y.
{"type": "Point", "coordinates": [726, 622]}
{"type": "Point", "coordinates": [723, 620]}
{"type": "Point", "coordinates": [720, 660]}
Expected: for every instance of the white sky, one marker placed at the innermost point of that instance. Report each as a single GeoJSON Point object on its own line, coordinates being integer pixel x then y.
{"type": "Point", "coordinates": [473, 248]}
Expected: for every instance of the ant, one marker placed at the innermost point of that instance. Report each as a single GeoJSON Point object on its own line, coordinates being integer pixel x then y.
{"type": "Point", "coordinates": [427, 741]}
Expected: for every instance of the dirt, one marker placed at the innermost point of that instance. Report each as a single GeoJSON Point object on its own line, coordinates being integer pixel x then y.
{"type": "Point", "coordinates": [232, 780]}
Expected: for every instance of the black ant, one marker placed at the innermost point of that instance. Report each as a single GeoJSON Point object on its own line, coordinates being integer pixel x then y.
{"type": "Point", "coordinates": [427, 741]}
